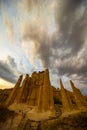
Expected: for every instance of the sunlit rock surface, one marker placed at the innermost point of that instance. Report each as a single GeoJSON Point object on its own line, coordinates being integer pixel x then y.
{"type": "Point", "coordinates": [34, 104]}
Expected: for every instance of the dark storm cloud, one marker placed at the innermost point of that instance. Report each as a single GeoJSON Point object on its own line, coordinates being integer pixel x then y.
{"type": "Point", "coordinates": [11, 62]}
{"type": "Point", "coordinates": [7, 71]}
{"type": "Point", "coordinates": [64, 52]}
{"type": "Point", "coordinates": [72, 27]}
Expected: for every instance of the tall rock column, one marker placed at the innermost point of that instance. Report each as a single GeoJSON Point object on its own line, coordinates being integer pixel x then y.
{"type": "Point", "coordinates": [22, 89]}
{"type": "Point", "coordinates": [32, 97]}
{"type": "Point", "coordinates": [40, 93]}
{"type": "Point", "coordinates": [45, 96]}
{"type": "Point", "coordinates": [13, 94]}
{"type": "Point", "coordinates": [25, 90]}
{"type": "Point", "coordinates": [80, 101]}
{"type": "Point", "coordinates": [66, 102]}
{"type": "Point", "coordinates": [46, 102]}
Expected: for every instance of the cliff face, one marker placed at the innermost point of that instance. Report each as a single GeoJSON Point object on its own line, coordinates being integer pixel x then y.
{"type": "Point", "coordinates": [34, 104]}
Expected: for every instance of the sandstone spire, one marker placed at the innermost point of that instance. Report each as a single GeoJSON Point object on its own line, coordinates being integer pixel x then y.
{"type": "Point", "coordinates": [37, 96]}
{"type": "Point", "coordinates": [45, 96]}
{"type": "Point", "coordinates": [13, 94]}
{"type": "Point", "coordinates": [40, 92]}
{"type": "Point", "coordinates": [80, 101]}
{"type": "Point", "coordinates": [46, 101]}
{"type": "Point", "coordinates": [33, 91]}
{"type": "Point", "coordinates": [21, 97]}
{"type": "Point", "coordinates": [66, 102]}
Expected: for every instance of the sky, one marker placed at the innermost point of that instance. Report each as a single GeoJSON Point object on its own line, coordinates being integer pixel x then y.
{"type": "Point", "coordinates": [40, 34]}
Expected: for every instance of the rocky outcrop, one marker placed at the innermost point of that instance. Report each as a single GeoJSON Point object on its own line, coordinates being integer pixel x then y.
{"type": "Point", "coordinates": [34, 104]}
{"type": "Point", "coordinates": [46, 101]}
{"type": "Point", "coordinates": [66, 101]}
{"type": "Point", "coordinates": [22, 92]}
{"type": "Point", "coordinates": [37, 92]}
{"type": "Point", "coordinates": [79, 98]}
{"type": "Point", "coordinates": [12, 95]}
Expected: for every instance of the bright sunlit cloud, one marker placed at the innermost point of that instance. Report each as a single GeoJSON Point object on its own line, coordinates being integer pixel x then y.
{"type": "Point", "coordinates": [5, 84]}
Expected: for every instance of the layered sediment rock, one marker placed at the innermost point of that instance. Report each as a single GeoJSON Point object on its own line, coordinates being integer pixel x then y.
{"type": "Point", "coordinates": [46, 101]}
{"type": "Point", "coordinates": [13, 94]}
{"type": "Point", "coordinates": [79, 98]}
{"type": "Point", "coordinates": [36, 95]}
{"type": "Point", "coordinates": [66, 101]}
{"type": "Point", "coordinates": [35, 91]}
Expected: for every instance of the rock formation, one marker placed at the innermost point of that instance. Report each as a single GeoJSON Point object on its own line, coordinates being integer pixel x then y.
{"type": "Point", "coordinates": [12, 96]}
{"type": "Point", "coordinates": [36, 95]}
{"type": "Point", "coordinates": [35, 91]}
{"type": "Point", "coordinates": [46, 101]}
{"type": "Point", "coordinates": [66, 101]}
{"type": "Point", "coordinates": [80, 100]}
{"type": "Point", "coordinates": [22, 95]}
